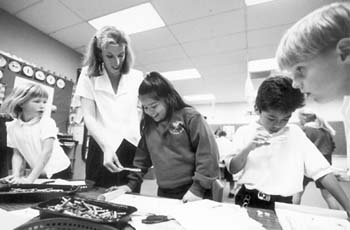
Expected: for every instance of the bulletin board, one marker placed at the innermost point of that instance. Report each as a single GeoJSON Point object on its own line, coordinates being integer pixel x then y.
{"type": "Point", "coordinates": [15, 71]}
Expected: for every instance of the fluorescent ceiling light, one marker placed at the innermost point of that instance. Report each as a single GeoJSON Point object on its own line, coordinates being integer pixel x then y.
{"type": "Point", "coordinates": [199, 97]}
{"type": "Point", "coordinates": [181, 74]}
{"type": "Point", "coordinates": [132, 20]}
{"type": "Point", "coordinates": [255, 2]}
{"type": "Point", "coordinates": [262, 65]}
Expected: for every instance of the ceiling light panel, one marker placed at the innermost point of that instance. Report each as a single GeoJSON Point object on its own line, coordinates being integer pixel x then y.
{"type": "Point", "coordinates": [255, 2]}
{"type": "Point", "coordinates": [182, 74]}
{"type": "Point", "coordinates": [132, 20]}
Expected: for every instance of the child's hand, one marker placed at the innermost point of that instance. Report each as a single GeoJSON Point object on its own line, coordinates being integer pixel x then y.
{"type": "Point", "coordinates": [7, 179]}
{"type": "Point", "coordinates": [260, 138]}
{"type": "Point", "coordinates": [11, 179]}
{"type": "Point", "coordinates": [189, 196]}
{"type": "Point", "coordinates": [123, 188]}
{"type": "Point", "coordinates": [22, 180]}
{"type": "Point", "coordinates": [111, 162]}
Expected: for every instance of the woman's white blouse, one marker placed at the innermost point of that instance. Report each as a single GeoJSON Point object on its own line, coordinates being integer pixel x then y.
{"type": "Point", "coordinates": [117, 114]}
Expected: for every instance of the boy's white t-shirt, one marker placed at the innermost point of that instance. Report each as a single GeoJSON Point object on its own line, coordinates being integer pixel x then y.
{"type": "Point", "coordinates": [279, 168]}
{"type": "Point", "coordinates": [28, 138]}
{"type": "Point", "coordinates": [346, 117]}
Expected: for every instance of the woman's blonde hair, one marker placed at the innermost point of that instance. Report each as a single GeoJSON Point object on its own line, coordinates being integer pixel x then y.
{"type": "Point", "coordinates": [103, 37]}
{"type": "Point", "coordinates": [20, 95]}
{"type": "Point", "coordinates": [314, 34]}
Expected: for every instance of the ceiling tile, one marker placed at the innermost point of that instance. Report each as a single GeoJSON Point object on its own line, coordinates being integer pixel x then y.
{"type": "Point", "coordinates": [227, 88]}
{"type": "Point", "coordinates": [177, 64]}
{"type": "Point", "coordinates": [280, 12]}
{"type": "Point", "coordinates": [216, 45]}
{"type": "Point", "coordinates": [209, 27]}
{"type": "Point", "coordinates": [89, 9]}
{"type": "Point", "coordinates": [190, 87]}
{"type": "Point", "coordinates": [81, 50]}
{"type": "Point", "coordinates": [161, 55]}
{"type": "Point", "coordinates": [224, 71]}
{"type": "Point", "coordinates": [13, 6]}
{"type": "Point", "coordinates": [218, 60]}
{"type": "Point", "coordinates": [173, 12]}
{"type": "Point", "coordinates": [152, 39]}
{"type": "Point", "coordinates": [204, 34]}
{"type": "Point", "coordinates": [268, 36]}
{"type": "Point", "coordinates": [75, 36]}
{"type": "Point", "coordinates": [262, 52]}
{"type": "Point", "coordinates": [48, 16]}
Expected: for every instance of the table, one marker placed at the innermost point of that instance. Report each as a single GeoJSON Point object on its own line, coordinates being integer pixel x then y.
{"type": "Point", "coordinates": [266, 217]}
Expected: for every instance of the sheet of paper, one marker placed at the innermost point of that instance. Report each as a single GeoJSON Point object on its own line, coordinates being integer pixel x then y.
{"type": "Point", "coordinates": [204, 214]}
{"type": "Point", "coordinates": [208, 215]}
{"type": "Point", "coordinates": [59, 182]}
{"type": "Point", "coordinates": [27, 213]}
{"type": "Point", "coordinates": [146, 204]}
{"type": "Point", "coordinates": [298, 217]}
{"type": "Point", "coordinates": [10, 221]}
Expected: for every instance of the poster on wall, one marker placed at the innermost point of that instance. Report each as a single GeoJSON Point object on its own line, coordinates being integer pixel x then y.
{"type": "Point", "coordinates": [50, 90]}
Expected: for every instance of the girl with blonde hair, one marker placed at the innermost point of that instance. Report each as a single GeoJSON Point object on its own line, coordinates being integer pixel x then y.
{"type": "Point", "coordinates": [33, 136]}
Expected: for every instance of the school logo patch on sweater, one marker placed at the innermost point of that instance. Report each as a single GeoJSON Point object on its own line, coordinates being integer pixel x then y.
{"type": "Point", "coordinates": [176, 127]}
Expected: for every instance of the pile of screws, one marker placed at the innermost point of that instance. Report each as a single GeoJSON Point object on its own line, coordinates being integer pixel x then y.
{"type": "Point", "coordinates": [32, 190]}
{"type": "Point", "coordinates": [81, 208]}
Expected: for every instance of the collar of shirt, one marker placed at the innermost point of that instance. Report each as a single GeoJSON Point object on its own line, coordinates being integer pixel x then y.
{"type": "Point", "coordinates": [280, 132]}
{"type": "Point", "coordinates": [28, 123]}
{"type": "Point", "coordinates": [103, 83]}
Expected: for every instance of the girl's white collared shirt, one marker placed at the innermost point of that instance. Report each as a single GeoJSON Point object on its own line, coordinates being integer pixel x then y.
{"type": "Point", "coordinates": [117, 114]}
{"type": "Point", "coordinates": [28, 138]}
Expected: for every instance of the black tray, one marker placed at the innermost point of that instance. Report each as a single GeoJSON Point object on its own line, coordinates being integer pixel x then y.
{"type": "Point", "coordinates": [6, 195]}
{"type": "Point", "coordinates": [120, 221]}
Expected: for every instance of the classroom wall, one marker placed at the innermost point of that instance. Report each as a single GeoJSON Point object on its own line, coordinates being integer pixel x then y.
{"type": "Point", "coordinates": [20, 39]}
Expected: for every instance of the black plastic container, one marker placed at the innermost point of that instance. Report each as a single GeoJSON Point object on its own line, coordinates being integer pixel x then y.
{"type": "Point", "coordinates": [8, 196]}
{"type": "Point", "coordinates": [119, 222]}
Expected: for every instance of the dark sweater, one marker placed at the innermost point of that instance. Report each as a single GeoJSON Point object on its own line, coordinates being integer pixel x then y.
{"type": "Point", "coordinates": [182, 150]}
{"type": "Point", "coordinates": [321, 138]}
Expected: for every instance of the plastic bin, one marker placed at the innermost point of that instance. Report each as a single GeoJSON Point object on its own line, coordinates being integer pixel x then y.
{"type": "Point", "coordinates": [62, 223]}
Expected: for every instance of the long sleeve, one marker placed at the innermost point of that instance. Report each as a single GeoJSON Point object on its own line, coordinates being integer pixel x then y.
{"type": "Point", "coordinates": [143, 161]}
{"type": "Point", "coordinates": [206, 154]}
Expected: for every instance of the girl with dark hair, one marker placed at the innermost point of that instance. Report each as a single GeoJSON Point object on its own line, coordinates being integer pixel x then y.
{"type": "Point", "coordinates": [177, 141]}
{"type": "Point", "coordinates": [107, 89]}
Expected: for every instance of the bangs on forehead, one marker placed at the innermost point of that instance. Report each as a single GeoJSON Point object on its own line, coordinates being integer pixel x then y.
{"type": "Point", "coordinates": [115, 46]}
{"type": "Point", "coordinates": [151, 94]}
{"type": "Point", "coordinates": [38, 91]}
{"type": "Point", "coordinates": [113, 40]}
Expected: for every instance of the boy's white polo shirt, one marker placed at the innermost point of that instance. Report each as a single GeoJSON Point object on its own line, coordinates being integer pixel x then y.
{"type": "Point", "coordinates": [279, 168]}
{"type": "Point", "coordinates": [28, 138]}
{"type": "Point", "coordinates": [117, 114]}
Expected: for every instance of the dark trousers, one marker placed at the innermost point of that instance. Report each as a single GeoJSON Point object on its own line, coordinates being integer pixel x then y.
{"type": "Point", "coordinates": [252, 198]}
{"type": "Point", "coordinates": [179, 192]}
{"type": "Point", "coordinates": [98, 174]}
{"type": "Point", "coordinates": [64, 174]}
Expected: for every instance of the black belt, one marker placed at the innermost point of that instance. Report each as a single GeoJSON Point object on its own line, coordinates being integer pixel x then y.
{"type": "Point", "coordinates": [255, 198]}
